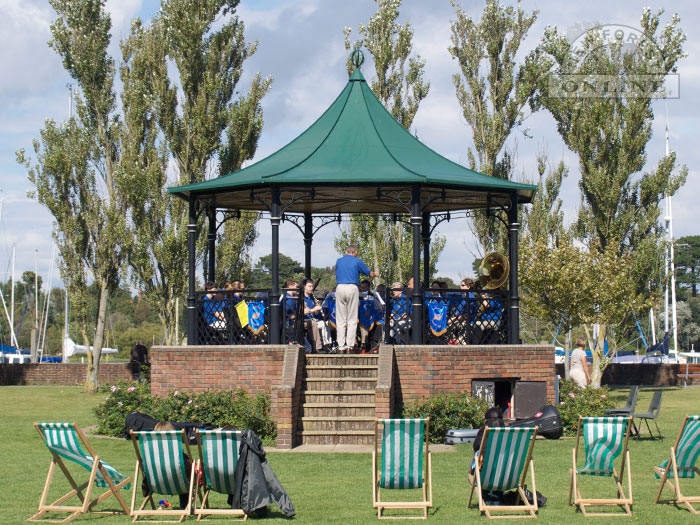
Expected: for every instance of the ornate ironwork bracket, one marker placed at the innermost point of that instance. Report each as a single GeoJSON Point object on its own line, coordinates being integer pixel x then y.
{"type": "Point", "coordinates": [395, 196]}
{"type": "Point", "coordinates": [436, 219]}
{"type": "Point", "coordinates": [255, 197]}
{"type": "Point", "coordinates": [223, 216]}
{"type": "Point", "coordinates": [299, 221]}
{"type": "Point", "coordinates": [296, 197]}
{"type": "Point", "coordinates": [441, 196]}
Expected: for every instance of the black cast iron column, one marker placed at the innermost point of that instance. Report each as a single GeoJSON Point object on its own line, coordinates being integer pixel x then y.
{"type": "Point", "coordinates": [514, 309]}
{"type": "Point", "coordinates": [275, 218]}
{"type": "Point", "coordinates": [191, 261]}
{"type": "Point", "coordinates": [211, 243]}
{"type": "Point", "coordinates": [425, 234]}
{"type": "Point", "coordinates": [417, 299]}
{"type": "Point", "coordinates": [308, 239]}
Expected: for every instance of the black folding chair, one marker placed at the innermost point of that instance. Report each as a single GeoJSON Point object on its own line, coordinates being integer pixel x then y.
{"type": "Point", "coordinates": [651, 414]}
{"type": "Point", "coordinates": [628, 409]}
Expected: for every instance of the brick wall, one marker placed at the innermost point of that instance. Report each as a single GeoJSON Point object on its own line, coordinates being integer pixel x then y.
{"type": "Point", "coordinates": [429, 370]}
{"type": "Point", "coordinates": [286, 398]}
{"type": "Point", "coordinates": [645, 374]}
{"type": "Point", "coordinates": [201, 368]}
{"type": "Point", "coordinates": [60, 373]}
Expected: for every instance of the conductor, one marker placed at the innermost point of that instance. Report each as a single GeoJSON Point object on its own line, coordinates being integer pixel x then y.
{"type": "Point", "coordinates": [347, 296]}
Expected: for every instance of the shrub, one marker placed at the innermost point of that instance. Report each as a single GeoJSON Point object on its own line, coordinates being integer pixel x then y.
{"type": "Point", "coordinates": [575, 401]}
{"type": "Point", "coordinates": [448, 411]}
{"type": "Point", "coordinates": [235, 408]}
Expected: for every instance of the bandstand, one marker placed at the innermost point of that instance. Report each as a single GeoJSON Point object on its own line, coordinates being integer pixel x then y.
{"type": "Point", "coordinates": [355, 159]}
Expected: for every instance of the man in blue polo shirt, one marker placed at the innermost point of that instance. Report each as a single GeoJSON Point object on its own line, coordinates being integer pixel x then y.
{"type": "Point", "coordinates": [347, 296]}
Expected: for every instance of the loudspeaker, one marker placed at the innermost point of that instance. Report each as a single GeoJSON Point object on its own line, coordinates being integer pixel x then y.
{"type": "Point", "coordinates": [529, 397]}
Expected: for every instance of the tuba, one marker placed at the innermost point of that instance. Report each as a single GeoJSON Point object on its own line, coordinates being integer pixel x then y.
{"type": "Point", "coordinates": [493, 271]}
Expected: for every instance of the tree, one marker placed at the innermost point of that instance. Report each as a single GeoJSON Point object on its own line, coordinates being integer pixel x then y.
{"type": "Point", "coordinates": [78, 174]}
{"type": "Point", "coordinates": [687, 262]}
{"type": "Point", "coordinates": [620, 205]}
{"type": "Point", "coordinates": [385, 244]}
{"type": "Point", "coordinates": [190, 117]}
{"type": "Point", "coordinates": [493, 90]}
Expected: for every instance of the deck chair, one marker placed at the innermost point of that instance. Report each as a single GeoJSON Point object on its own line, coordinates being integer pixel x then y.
{"type": "Point", "coordinates": [604, 438]}
{"type": "Point", "coordinates": [681, 463]}
{"type": "Point", "coordinates": [160, 459]}
{"type": "Point", "coordinates": [630, 404]}
{"type": "Point", "coordinates": [64, 442]}
{"type": "Point", "coordinates": [218, 453]}
{"type": "Point", "coordinates": [405, 464]}
{"type": "Point", "coordinates": [651, 414]}
{"type": "Point", "coordinates": [504, 458]}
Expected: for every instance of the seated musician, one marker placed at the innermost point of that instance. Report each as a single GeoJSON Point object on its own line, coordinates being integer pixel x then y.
{"type": "Point", "coordinates": [212, 311]}
{"type": "Point", "coordinates": [400, 319]}
{"type": "Point", "coordinates": [365, 316]}
{"type": "Point", "coordinates": [289, 302]}
{"type": "Point", "coordinates": [314, 325]}
{"type": "Point", "coordinates": [489, 319]}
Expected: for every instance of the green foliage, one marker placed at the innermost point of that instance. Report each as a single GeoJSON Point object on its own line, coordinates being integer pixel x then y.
{"type": "Point", "coordinates": [687, 261]}
{"type": "Point", "coordinates": [575, 401]}
{"type": "Point", "coordinates": [235, 408]}
{"type": "Point", "coordinates": [448, 411]}
{"type": "Point", "coordinates": [493, 90]}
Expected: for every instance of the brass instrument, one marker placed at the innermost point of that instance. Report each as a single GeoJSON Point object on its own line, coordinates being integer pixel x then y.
{"type": "Point", "coordinates": [493, 271]}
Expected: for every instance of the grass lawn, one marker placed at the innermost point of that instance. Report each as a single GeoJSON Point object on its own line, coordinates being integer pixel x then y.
{"type": "Point", "coordinates": [334, 488]}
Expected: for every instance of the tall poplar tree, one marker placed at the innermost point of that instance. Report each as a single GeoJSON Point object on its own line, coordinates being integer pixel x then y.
{"type": "Point", "coordinates": [494, 90]}
{"type": "Point", "coordinates": [609, 132]}
{"type": "Point", "coordinates": [205, 130]}
{"type": "Point", "coordinates": [78, 172]}
{"type": "Point", "coordinates": [400, 87]}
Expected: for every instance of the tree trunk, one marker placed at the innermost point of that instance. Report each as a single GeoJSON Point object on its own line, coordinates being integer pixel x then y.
{"type": "Point", "coordinates": [94, 356]}
{"type": "Point", "coordinates": [598, 354]}
{"type": "Point", "coordinates": [567, 355]}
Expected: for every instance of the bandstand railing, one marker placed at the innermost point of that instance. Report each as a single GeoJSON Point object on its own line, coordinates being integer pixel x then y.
{"type": "Point", "coordinates": [449, 317]}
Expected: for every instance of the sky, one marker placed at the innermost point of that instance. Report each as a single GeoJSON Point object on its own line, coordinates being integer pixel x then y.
{"type": "Point", "coordinates": [301, 48]}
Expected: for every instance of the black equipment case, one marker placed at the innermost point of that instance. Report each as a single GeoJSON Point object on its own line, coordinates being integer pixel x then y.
{"type": "Point", "coordinates": [547, 419]}
{"type": "Point", "coordinates": [461, 435]}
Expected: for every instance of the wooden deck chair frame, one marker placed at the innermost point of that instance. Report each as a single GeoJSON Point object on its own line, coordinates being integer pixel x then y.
{"type": "Point", "coordinates": [426, 482]}
{"type": "Point", "coordinates": [140, 471]}
{"type": "Point", "coordinates": [82, 491]}
{"type": "Point", "coordinates": [673, 464]}
{"type": "Point", "coordinates": [202, 508]}
{"type": "Point", "coordinates": [622, 500]}
{"type": "Point", "coordinates": [476, 483]}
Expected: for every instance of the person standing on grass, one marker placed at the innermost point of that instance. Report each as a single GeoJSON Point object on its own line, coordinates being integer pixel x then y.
{"type": "Point", "coordinates": [347, 296]}
{"type": "Point", "coordinates": [578, 369]}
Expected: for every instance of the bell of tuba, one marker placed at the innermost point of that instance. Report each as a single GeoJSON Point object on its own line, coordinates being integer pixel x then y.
{"type": "Point", "coordinates": [493, 270]}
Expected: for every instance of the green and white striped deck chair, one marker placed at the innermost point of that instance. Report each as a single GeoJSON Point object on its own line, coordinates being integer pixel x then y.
{"type": "Point", "coordinates": [684, 456]}
{"type": "Point", "coordinates": [160, 459]}
{"type": "Point", "coordinates": [64, 442]}
{"type": "Point", "coordinates": [405, 464]}
{"type": "Point", "coordinates": [218, 456]}
{"type": "Point", "coordinates": [505, 456]}
{"type": "Point", "coordinates": [604, 438]}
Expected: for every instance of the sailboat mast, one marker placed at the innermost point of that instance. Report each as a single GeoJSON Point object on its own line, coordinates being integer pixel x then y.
{"type": "Point", "coordinates": [12, 298]}
{"type": "Point", "coordinates": [670, 263]}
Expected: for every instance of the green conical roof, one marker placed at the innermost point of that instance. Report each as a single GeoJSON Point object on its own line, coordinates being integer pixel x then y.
{"type": "Point", "coordinates": [353, 149]}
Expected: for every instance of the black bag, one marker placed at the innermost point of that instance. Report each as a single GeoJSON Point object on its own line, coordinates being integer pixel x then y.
{"type": "Point", "coordinates": [511, 498]}
{"type": "Point", "coordinates": [138, 422]}
{"type": "Point", "coordinates": [547, 419]}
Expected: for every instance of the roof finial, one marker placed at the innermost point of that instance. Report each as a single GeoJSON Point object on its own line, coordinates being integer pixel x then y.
{"type": "Point", "coordinates": [356, 57]}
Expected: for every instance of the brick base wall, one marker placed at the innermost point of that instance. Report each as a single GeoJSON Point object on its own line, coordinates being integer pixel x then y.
{"type": "Point", "coordinates": [424, 371]}
{"type": "Point", "coordinates": [201, 368]}
{"type": "Point", "coordinates": [644, 374]}
{"type": "Point", "coordinates": [60, 373]}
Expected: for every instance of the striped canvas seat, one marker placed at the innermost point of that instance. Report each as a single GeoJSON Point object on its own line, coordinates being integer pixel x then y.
{"type": "Point", "coordinates": [681, 463]}
{"type": "Point", "coordinates": [160, 458]}
{"type": "Point", "coordinates": [402, 454]}
{"type": "Point", "coordinates": [605, 439]}
{"type": "Point", "coordinates": [504, 459]}
{"type": "Point", "coordinates": [66, 441]}
{"type": "Point", "coordinates": [403, 464]}
{"type": "Point", "coordinates": [62, 439]}
{"type": "Point", "coordinates": [218, 453]}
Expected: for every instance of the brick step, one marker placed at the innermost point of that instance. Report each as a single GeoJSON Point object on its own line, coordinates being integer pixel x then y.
{"type": "Point", "coordinates": [341, 367]}
{"type": "Point", "coordinates": [338, 418]}
{"type": "Point", "coordinates": [332, 425]}
{"type": "Point", "coordinates": [338, 396]}
{"type": "Point", "coordinates": [336, 432]}
{"type": "Point", "coordinates": [341, 372]}
{"type": "Point", "coordinates": [336, 440]}
{"type": "Point", "coordinates": [340, 383]}
{"type": "Point", "coordinates": [338, 410]}
{"type": "Point", "coordinates": [341, 359]}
